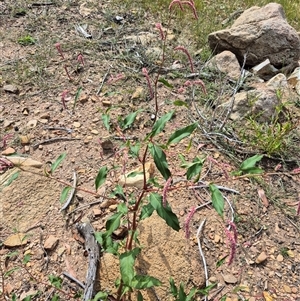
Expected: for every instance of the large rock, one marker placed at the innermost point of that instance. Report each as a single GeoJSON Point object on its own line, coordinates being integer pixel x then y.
{"type": "Point", "coordinates": [258, 34]}
{"type": "Point", "coordinates": [259, 104]}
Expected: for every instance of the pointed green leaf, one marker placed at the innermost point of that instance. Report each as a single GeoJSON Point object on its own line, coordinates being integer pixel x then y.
{"type": "Point", "coordinates": [182, 133]}
{"type": "Point", "coordinates": [173, 287]}
{"type": "Point", "coordinates": [165, 82]}
{"type": "Point", "coordinates": [64, 194]}
{"type": "Point", "coordinates": [119, 192]}
{"type": "Point", "coordinates": [106, 121]}
{"type": "Point", "coordinates": [101, 177]}
{"type": "Point", "coordinates": [59, 159]}
{"type": "Point", "coordinates": [100, 296]}
{"type": "Point", "coordinates": [113, 222]}
{"type": "Point", "coordinates": [160, 160]}
{"type": "Point", "coordinates": [127, 260]}
{"type": "Point", "coordinates": [217, 199]}
{"type": "Point", "coordinates": [250, 162]}
{"type": "Point", "coordinates": [160, 124]}
{"type": "Point", "coordinates": [164, 212]}
{"type": "Point", "coordinates": [13, 177]}
{"type": "Point", "coordinates": [135, 149]}
{"type": "Point", "coordinates": [140, 296]}
{"type": "Point", "coordinates": [182, 294]}
{"type": "Point", "coordinates": [146, 211]}
{"type": "Point", "coordinates": [144, 281]}
{"type": "Point", "coordinates": [180, 103]}
{"type": "Point", "coordinates": [129, 120]}
{"type": "Point", "coordinates": [76, 97]}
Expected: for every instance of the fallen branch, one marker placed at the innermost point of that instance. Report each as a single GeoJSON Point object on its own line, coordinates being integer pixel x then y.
{"type": "Point", "coordinates": [53, 140]}
{"type": "Point", "coordinates": [91, 246]}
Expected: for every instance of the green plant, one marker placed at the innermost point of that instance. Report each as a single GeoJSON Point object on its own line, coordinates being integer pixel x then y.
{"type": "Point", "coordinates": [27, 40]}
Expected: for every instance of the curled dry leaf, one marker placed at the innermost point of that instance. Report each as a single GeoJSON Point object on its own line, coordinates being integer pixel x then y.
{"type": "Point", "coordinates": [262, 196]}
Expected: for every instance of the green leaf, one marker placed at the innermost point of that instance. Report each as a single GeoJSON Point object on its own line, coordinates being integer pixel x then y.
{"type": "Point", "coordinates": [180, 103]}
{"type": "Point", "coordinates": [144, 281]}
{"type": "Point", "coordinates": [182, 133]}
{"type": "Point", "coordinates": [106, 121]}
{"type": "Point", "coordinates": [173, 287]}
{"type": "Point", "coordinates": [194, 168]}
{"type": "Point", "coordinates": [191, 294]}
{"type": "Point", "coordinates": [127, 260]}
{"type": "Point", "coordinates": [146, 211]}
{"type": "Point", "coordinates": [101, 177]}
{"type": "Point", "coordinates": [160, 160]}
{"type": "Point", "coordinates": [55, 281]}
{"type": "Point", "coordinates": [59, 159]}
{"type": "Point", "coordinates": [64, 194]}
{"type": "Point", "coordinates": [119, 192]}
{"type": "Point", "coordinates": [217, 199]}
{"type": "Point", "coordinates": [26, 258]}
{"type": "Point", "coordinates": [250, 163]}
{"type": "Point", "coordinates": [140, 296]}
{"type": "Point", "coordinates": [107, 243]}
{"type": "Point", "coordinates": [182, 294]}
{"type": "Point", "coordinates": [100, 296]}
{"type": "Point", "coordinates": [113, 222]}
{"type": "Point", "coordinates": [164, 212]}
{"type": "Point", "coordinates": [13, 177]}
{"type": "Point", "coordinates": [55, 298]}
{"type": "Point", "coordinates": [76, 97]}
{"type": "Point", "coordinates": [160, 124]}
{"type": "Point", "coordinates": [205, 291]}
{"type": "Point", "coordinates": [9, 272]}
{"type": "Point", "coordinates": [122, 208]}
{"type": "Point", "coordinates": [221, 261]}
{"type": "Point", "coordinates": [165, 82]}
{"type": "Point", "coordinates": [135, 149]}
{"type": "Point", "coordinates": [129, 120]}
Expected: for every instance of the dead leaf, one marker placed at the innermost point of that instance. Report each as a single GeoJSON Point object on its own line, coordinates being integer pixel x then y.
{"type": "Point", "coordinates": [262, 196]}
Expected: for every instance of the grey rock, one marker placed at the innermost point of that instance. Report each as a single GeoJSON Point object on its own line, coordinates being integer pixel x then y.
{"type": "Point", "coordinates": [259, 34]}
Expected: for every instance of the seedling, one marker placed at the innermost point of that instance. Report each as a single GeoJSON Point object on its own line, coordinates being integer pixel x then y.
{"type": "Point", "coordinates": [26, 40]}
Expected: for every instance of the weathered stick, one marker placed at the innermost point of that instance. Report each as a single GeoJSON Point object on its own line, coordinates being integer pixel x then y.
{"type": "Point", "coordinates": [91, 246]}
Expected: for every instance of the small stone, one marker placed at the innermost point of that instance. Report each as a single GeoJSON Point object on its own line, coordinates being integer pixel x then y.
{"type": "Point", "coordinates": [217, 238]}
{"type": "Point", "coordinates": [24, 162]}
{"type": "Point", "coordinates": [95, 132]}
{"type": "Point", "coordinates": [43, 121]}
{"type": "Point", "coordinates": [26, 148]}
{"type": "Point", "coordinates": [106, 103]}
{"type": "Point", "coordinates": [294, 290]}
{"type": "Point", "coordinates": [77, 124]}
{"type": "Point", "coordinates": [45, 116]}
{"type": "Point", "coordinates": [261, 257]}
{"type": "Point", "coordinates": [11, 89]}
{"type": "Point", "coordinates": [279, 258]}
{"type": "Point", "coordinates": [7, 123]}
{"type": "Point", "coordinates": [83, 98]}
{"type": "Point", "coordinates": [278, 81]}
{"type": "Point", "coordinates": [16, 240]}
{"type": "Point", "coordinates": [61, 251]}
{"type": "Point", "coordinates": [8, 151]}
{"type": "Point", "coordinates": [51, 242]}
{"type": "Point", "coordinates": [25, 112]}
{"type": "Point", "coordinates": [24, 139]}
{"type": "Point", "coordinates": [287, 289]}
{"type": "Point", "coordinates": [112, 207]}
{"type": "Point", "coordinates": [41, 147]}
{"type": "Point", "coordinates": [290, 253]}
{"type": "Point", "coordinates": [213, 279]}
{"type": "Point", "coordinates": [138, 93]}
{"type": "Point", "coordinates": [32, 123]}
{"type": "Point", "coordinates": [229, 278]}
{"type": "Point", "coordinates": [97, 212]}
